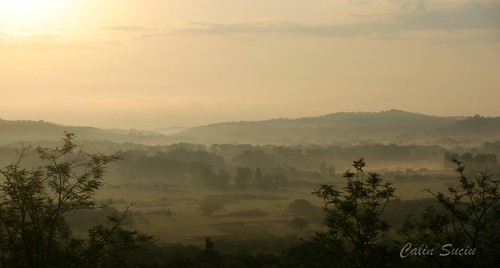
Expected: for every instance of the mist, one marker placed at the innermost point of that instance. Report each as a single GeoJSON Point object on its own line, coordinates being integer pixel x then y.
{"type": "Point", "coordinates": [223, 134]}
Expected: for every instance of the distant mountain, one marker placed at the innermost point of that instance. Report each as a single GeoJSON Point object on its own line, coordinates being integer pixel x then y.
{"type": "Point", "coordinates": [170, 130]}
{"type": "Point", "coordinates": [387, 126]}
{"type": "Point", "coordinates": [337, 128]}
{"type": "Point", "coordinates": [36, 131]}
{"type": "Point", "coordinates": [327, 128]}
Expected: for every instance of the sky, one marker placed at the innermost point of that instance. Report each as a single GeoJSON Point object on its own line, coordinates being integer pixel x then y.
{"type": "Point", "coordinates": [156, 63]}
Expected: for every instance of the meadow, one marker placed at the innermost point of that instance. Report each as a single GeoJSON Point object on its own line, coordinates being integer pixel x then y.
{"type": "Point", "coordinates": [189, 212]}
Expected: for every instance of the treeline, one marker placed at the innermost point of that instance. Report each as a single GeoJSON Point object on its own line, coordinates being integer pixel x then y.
{"type": "Point", "coordinates": [474, 161]}
{"type": "Point", "coordinates": [272, 167]}
{"type": "Point", "coordinates": [306, 157]}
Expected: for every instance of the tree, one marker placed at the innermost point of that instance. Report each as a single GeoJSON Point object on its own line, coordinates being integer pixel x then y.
{"type": "Point", "coordinates": [279, 181]}
{"type": "Point", "coordinates": [209, 205]}
{"type": "Point", "coordinates": [323, 169]}
{"type": "Point", "coordinates": [353, 217]}
{"type": "Point", "coordinates": [109, 245]}
{"type": "Point", "coordinates": [302, 207]}
{"type": "Point", "coordinates": [209, 256]}
{"type": "Point", "coordinates": [259, 179]}
{"type": "Point", "coordinates": [326, 171]}
{"type": "Point", "coordinates": [35, 201]}
{"type": "Point", "coordinates": [243, 177]}
{"type": "Point", "coordinates": [299, 223]}
{"type": "Point", "coordinates": [208, 177]}
{"type": "Point", "coordinates": [223, 179]}
{"type": "Point", "coordinates": [468, 218]}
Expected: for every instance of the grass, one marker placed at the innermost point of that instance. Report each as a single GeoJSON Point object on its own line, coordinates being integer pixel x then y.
{"type": "Point", "coordinates": [171, 212]}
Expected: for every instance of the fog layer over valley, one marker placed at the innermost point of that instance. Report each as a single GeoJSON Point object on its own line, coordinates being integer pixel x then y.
{"type": "Point", "coordinates": [252, 195]}
{"type": "Point", "coordinates": [244, 184]}
{"type": "Point", "coordinates": [393, 126]}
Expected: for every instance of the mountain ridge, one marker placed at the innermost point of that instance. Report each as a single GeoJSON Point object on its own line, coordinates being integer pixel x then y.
{"type": "Point", "coordinates": [328, 128]}
{"type": "Point", "coordinates": [321, 128]}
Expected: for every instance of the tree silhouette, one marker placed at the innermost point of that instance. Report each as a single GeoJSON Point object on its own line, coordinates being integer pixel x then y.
{"type": "Point", "coordinates": [35, 201]}
{"type": "Point", "coordinates": [353, 217]}
{"type": "Point", "coordinates": [468, 218]}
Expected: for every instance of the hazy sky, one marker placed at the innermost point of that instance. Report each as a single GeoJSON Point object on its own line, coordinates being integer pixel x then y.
{"type": "Point", "coordinates": [155, 63]}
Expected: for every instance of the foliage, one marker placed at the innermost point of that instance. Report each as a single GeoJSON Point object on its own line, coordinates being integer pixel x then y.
{"type": "Point", "coordinates": [353, 217]}
{"type": "Point", "coordinates": [310, 254]}
{"type": "Point", "coordinates": [474, 162]}
{"type": "Point", "coordinates": [326, 171]}
{"type": "Point", "coordinates": [275, 180]}
{"type": "Point", "coordinates": [468, 218]}
{"type": "Point", "coordinates": [212, 180]}
{"type": "Point", "coordinates": [209, 205]}
{"type": "Point", "coordinates": [209, 256]}
{"type": "Point", "coordinates": [34, 203]}
{"type": "Point", "coordinates": [243, 177]}
{"type": "Point", "coordinates": [302, 207]}
{"type": "Point", "coordinates": [299, 223]}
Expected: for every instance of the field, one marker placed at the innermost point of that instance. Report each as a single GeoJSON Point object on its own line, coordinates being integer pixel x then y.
{"type": "Point", "coordinates": [172, 212]}
{"type": "Point", "coordinates": [175, 213]}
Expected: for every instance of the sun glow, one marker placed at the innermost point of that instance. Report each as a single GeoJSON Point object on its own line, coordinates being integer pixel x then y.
{"type": "Point", "coordinates": [29, 14]}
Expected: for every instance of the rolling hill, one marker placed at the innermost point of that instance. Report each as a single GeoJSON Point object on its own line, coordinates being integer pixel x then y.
{"type": "Point", "coordinates": [36, 131]}
{"type": "Point", "coordinates": [335, 127]}
{"type": "Point", "coordinates": [387, 126]}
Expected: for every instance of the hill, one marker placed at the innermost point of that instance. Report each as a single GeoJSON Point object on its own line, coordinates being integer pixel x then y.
{"type": "Point", "coordinates": [336, 127]}
{"type": "Point", "coordinates": [36, 131]}
{"type": "Point", "coordinates": [393, 126]}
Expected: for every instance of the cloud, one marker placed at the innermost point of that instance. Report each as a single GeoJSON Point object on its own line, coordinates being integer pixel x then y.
{"type": "Point", "coordinates": [417, 16]}
{"type": "Point", "coordinates": [125, 28]}
{"type": "Point", "coordinates": [468, 15]}
{"type": "Point", "coordinates": [86, 45]}
{"type": "Point", "coordinates": [138, 32]}
{"type": "Point", "coordinates": [332, 30]}
{"type": "Point", "coordinates": [31, 35]}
